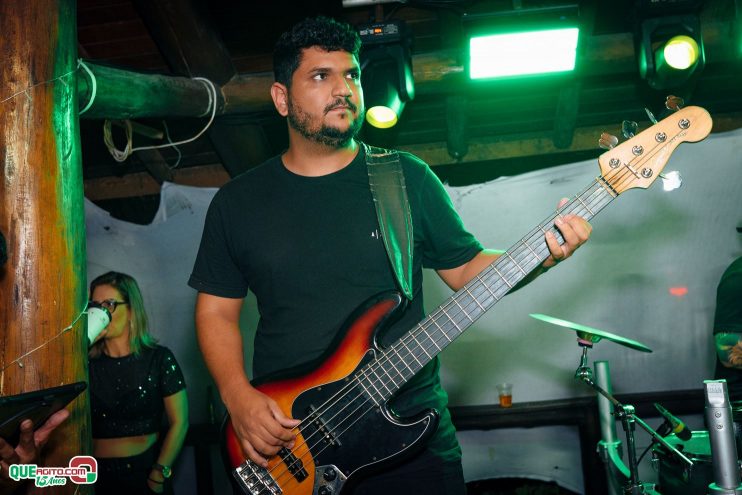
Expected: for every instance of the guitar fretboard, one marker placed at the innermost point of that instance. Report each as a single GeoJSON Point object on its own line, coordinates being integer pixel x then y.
{"type": "Point", "coordinates": [391, 369]}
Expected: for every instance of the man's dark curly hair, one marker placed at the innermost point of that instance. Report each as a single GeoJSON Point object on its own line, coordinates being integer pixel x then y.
{"type": "Point", "coordinates": [323, 32]}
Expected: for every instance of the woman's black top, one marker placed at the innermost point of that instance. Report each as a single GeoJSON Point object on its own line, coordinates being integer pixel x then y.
{"type": "Point", "coordinates": [126, 393]}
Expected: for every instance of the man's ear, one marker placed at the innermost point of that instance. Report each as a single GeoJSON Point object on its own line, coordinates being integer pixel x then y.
{"type": "Point", "coordinates": [280, 95]}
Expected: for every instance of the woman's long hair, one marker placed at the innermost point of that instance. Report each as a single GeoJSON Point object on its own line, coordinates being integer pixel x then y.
{"type": "Point", "coordinates": [139, 337]}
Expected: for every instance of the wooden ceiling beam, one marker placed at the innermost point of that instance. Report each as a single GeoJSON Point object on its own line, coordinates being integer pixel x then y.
{"type": "Point", "coordinates": [185, 37]}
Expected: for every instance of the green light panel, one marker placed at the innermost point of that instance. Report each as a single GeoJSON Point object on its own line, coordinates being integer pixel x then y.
{"type": "Point", "coordinates": [514, 54]}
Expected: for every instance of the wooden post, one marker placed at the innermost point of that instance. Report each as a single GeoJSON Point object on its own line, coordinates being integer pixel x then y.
{"type": "Point", "coordinates": [43, 285]}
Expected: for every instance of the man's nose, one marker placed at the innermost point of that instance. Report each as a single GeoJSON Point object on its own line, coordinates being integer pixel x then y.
{"type": "Point", "coordinates": [342, 87]}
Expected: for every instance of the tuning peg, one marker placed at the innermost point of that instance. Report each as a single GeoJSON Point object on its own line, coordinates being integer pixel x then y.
{"type": "Point", "coordinates": [671, 180]}
{"type": "Point", "coordinates": [674, 103]}
{"type": "Point", "coordinates": [607, 141]}
{"type": "Point", "coordinates": [628, 128]}
{"type": "Point", "coordinates": [650, 115]}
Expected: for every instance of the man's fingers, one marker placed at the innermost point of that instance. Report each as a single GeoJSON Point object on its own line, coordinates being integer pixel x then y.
{"type": "Point", "coordinates": [575, 231]}
{"type": "Point", "coordinates": [253, 454]}
{"type": "Point", "coordinates": [41, 436]}
{"type": "Point", "coordinates": [279, 435]}
{"type": "Point", "coordinates": [26, 442]}
{"type": "Point", "coordinates": [580, 226]}
{"type": "Point", "coordinates": [287, 424]}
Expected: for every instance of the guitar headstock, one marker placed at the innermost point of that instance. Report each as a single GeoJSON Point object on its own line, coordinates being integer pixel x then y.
{"type": "Point", "coordinates": [639, 161]}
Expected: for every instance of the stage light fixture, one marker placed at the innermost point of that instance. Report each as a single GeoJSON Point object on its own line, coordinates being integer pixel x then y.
{"type": "Point", "coordinates": [517, 54]}
{"type": "Point", "coordinates": [386, 71]}
{"type": "Point", "coordinates": [521, 42]}
{"type": "Point", "coordinates": [670, 50]}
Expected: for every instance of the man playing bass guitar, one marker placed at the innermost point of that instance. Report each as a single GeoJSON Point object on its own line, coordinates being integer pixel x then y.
{"type": "Point", "coordinates": [301, 232]}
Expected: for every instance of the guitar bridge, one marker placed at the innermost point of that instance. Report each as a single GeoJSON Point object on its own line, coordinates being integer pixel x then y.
{"type": "Point", "coordinates": [255, 480]}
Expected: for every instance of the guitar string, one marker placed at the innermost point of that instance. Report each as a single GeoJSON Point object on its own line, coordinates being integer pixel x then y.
{"type": "Point", "coordinates": [473, 307]}
{"type": "Point", "coordinates": [518, 258]}
{"type": "Point", "coordinates": [379, 361]}
{"type": "Point", "coordinates": [514, 256]}
{"type": "Point", "coordinates": [638, 159]}
{"type": "Point", "coordinates": [522, 252]}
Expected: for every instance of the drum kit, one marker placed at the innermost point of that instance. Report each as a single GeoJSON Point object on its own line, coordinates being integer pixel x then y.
{"type": "Point", "coordinates": [687, 464]}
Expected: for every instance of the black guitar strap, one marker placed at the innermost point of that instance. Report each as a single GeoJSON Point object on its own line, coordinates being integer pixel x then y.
{"type": "Point", "coordinates": [386, 179]}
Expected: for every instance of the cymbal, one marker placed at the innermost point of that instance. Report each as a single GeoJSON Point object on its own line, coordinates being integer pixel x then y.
{"type": "Point", "coordinates": [592, 335]}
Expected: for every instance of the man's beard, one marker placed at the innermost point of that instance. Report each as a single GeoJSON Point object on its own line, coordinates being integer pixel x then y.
{"type": "Point", "coordinates": [323, 134]}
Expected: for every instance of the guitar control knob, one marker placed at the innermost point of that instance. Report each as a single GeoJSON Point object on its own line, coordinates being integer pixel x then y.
{"type": "Point", "coordinates": [329, 474]}
{"type": "Point", "coordinates": [324, 490]}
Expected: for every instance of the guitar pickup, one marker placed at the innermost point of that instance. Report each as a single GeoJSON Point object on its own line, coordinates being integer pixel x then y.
{"type": "Point", "coordinates": [326, 433]}
{"type": "Point", "coordinates": [296, 467]}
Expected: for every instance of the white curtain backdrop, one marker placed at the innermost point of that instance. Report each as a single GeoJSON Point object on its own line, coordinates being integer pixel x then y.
{"type": "Point", "coordinates": [646, 246]}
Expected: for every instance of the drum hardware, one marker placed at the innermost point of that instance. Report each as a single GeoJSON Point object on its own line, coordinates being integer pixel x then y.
{"type": "Point", "coordinates": [671, 424]}
{"type": "Point", "coordinates": [715, 469]}
{"type": "Point", "coordinates": [586, 338]}
{"type": "Point", "coordinates": [662, 430]}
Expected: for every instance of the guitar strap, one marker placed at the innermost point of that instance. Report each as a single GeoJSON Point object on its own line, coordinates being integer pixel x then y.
{"type": "Point", "coordinates": [386, 180]}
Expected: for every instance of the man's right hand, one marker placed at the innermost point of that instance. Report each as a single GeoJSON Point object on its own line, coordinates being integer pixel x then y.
{"type": "Point", "coordinates": [260, 425]}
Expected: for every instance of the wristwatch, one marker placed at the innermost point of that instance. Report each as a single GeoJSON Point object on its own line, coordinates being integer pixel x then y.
{"type": "Point", "coordinates": [165, 470]}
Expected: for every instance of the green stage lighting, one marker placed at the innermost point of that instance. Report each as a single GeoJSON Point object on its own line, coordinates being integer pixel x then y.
{"type": "Point", "coordinates": [681, 52]}
{"type": "Point", "coordinates": [523, 53]}
{"type": "Point", "coordinates": [386, 71]}
{"type": "Point", "coordinates": [670, 50]}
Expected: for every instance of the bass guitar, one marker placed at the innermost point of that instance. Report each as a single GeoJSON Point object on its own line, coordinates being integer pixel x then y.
{"type": "Point", "coordinates": [347, 428]}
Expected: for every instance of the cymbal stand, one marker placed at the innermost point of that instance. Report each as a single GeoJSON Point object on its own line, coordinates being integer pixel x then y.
{"type": "Point", "coordinates": [627, 414]}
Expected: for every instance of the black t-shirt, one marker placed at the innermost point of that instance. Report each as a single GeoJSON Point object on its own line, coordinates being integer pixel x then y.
{"type": "Point", "coordinates": [126, 393]}
{"type": "Point", "coordinates": [310, 250]}
{"type": "Point", "coordinates": [728, 319]}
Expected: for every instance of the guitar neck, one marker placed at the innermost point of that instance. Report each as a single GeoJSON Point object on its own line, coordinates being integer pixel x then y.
{"type": "Point", "coordinates": [392, 368]}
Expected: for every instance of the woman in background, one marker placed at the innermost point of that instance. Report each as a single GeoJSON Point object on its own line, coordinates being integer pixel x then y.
{"type": "Point", "coordinates": [132, 382]}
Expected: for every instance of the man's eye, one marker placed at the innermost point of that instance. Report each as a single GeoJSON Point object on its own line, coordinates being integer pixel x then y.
{"type": "Point", "coordinates": [354, 75]}
{"type": "Point", "coordinates": [321, 76]}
